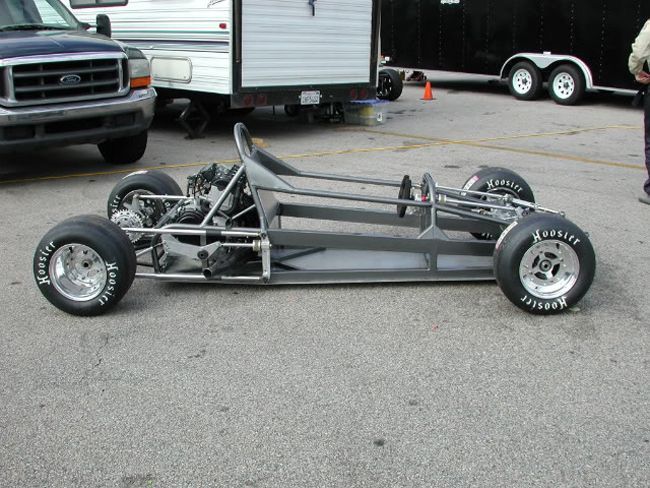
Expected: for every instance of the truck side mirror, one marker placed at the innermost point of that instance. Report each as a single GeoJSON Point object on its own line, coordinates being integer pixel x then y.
{"type": "Point", "coordinates": [104, 25]}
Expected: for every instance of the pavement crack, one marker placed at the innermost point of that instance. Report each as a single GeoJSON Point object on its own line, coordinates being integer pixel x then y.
{"type": "Point", "coordinates": [104, 339]}
{"type": "Point", "coordinates": [202, 352]}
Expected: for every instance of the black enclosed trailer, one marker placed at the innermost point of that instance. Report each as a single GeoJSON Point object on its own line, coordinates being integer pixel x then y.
{"type": "Point", "coordinates": [573, 45]}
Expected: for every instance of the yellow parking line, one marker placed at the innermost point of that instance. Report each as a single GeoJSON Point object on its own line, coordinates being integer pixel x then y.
{"type": "Point", "coordinates": [220, 161]}
{"type": "Point", "coordinates": [480, 144]}
{"type": "Point", "coordinates": [358, 150]}
{"type": "Point", "coordinates": [112, 172]}
{"type": "Point", "coordinates": [497, 138]}
{"type": "Point", "coordinates": [432, 142]}
{"type": "Point", "coordinates": [550, 155]}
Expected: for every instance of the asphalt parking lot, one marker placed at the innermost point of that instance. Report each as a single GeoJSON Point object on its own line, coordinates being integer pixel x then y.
{"type": "Point", "coordinates": [416, 385]}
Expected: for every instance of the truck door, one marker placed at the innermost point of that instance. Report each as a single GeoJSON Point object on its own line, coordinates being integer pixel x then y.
{"type": "Point", "coordinates": [303, 43]}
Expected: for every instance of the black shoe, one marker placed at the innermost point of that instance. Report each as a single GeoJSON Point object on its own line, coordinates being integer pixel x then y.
{"type": "Point", "coordinates": [645, 199]}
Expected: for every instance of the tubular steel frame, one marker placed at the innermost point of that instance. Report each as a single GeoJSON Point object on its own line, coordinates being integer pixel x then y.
{"type": "Point", "coordinates": [303, 256]}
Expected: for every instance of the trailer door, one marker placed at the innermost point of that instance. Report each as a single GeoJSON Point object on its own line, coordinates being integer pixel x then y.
{"type": "Point", "coordinates": [302, 43]}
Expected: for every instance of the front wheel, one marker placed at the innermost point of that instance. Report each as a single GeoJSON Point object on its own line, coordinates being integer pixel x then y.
{"type": "Point", "coordinates": [566, 85]}
{"type": "Point", "coordinates": [544, 264]}
{"type": "Point", "coordinates": [125, 150]}
{"type": "Point", "coordinates": [84, 265]}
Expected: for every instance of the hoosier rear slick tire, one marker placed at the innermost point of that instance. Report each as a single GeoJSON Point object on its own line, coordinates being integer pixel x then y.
{"type": "Point", "coordinates": [544, 264]}
{"type": "Point", "coordinates": [84, 265]}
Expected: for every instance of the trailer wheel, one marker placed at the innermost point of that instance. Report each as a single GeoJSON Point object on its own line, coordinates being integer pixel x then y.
{"type": "Point", "coordinates": [525, 81]}
{"type": "Point", "coordinates": [566, 85]}
{"type": "Point", "coordinates": [500, 181]}
{"type": "Point", "coordinates": [84, 265]}
{"type": "Point", "coordinates": [390, 85]}
{"type": "Point", "coordinates": [544, 264]}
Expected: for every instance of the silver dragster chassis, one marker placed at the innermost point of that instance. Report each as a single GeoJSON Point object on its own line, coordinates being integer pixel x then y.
{"type": "Point", "coordinates": [546, 270]}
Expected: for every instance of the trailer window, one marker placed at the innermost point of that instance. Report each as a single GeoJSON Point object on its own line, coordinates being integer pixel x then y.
{"type": "Point", "coordinates": [97, 3]}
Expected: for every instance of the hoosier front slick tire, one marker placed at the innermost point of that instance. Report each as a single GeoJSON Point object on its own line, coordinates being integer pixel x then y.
{"type": "Point", "coordinates": [84, 265]}
{"type": "Point", "coordinates": [544, 264]}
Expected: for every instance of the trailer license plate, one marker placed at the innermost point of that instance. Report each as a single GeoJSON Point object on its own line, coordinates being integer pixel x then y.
{"type": "Point", "coordinates": [310, 98]}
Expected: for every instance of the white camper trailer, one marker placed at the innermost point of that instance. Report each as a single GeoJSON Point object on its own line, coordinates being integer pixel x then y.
{"type": "Point", "coordinates": [248, 53]}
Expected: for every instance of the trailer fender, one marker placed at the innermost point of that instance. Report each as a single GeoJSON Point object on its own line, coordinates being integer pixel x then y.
{"type": "Point", "coordinates": [545, 60]}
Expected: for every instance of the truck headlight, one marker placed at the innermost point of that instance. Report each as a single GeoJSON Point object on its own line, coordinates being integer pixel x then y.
{"type": "Point", "coordinates": [139, 69]}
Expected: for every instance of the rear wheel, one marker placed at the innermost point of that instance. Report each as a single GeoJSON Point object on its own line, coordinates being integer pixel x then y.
{"type": "Point", "coordinates": [125, 150]}
{"type": "Point", "coordinates": [525, 81]}
{"type": "Point", "coordinates": [127, 209]}
{"type": "Point", "coordinates": [544, 264]}
{"type": "Point", "coordinates": [566, 85]}
{"type": "Point", "coordinates": [499, 181]}
{"type": "Point", "coordinates": [84, 265]}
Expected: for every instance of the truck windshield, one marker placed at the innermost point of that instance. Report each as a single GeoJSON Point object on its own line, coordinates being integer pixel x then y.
{"type": "Point", "coordinates": [35, 15]}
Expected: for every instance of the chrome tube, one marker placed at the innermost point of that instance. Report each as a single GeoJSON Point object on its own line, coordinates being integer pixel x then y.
{"type": "Point", "coordinates": [199, 278]}
{"type": "Point", "coordinates": [192, 230]}
{"type": "Point", "coordinates": [171, 198]}
{"type": "Point", "coordinates": [444, 199]}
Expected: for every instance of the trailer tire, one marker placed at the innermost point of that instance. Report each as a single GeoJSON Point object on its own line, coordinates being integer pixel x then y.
{"type": "Point", "coordinates": [566, 85]}
{"type": "Point", "coordinates": [500, 181]}
{"type": "Point", "coordinates": [390, 85]}
{"type": "Point", "coordinates": [544, 264]}
{"type": "Point", "coordinates": [84, 265]}
{"type": "Point", "coordinates": [125, 150]}
{"type": "Point", "coordinates": [525, 81]}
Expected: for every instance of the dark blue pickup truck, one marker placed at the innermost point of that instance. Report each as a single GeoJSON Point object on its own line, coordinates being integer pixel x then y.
{"type": "Point", "coordinates": [62, 85]}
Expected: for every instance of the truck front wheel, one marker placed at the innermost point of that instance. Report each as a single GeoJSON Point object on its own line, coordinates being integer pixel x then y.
{"type": "Point", "coordinates": [525, 81]}
{"type": "Point", "coordinates": [125, 150]}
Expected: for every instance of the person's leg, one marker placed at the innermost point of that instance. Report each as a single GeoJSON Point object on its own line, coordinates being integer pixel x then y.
{"type": "Point", "coordinates": [646, 186]}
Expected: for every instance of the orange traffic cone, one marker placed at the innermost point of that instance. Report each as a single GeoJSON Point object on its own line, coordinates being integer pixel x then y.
{"type": "Point", "coordinates": [428, 92]}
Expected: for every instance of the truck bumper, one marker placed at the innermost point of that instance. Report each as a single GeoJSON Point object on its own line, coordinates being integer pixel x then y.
{"type": "Point", "coordinates": [88, 122]}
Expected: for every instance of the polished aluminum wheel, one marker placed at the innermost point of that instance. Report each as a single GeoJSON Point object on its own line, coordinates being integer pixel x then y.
{"type": "Point", "coordinates": [522, 81]}
{"type": "Point", "coordinates": [549, 269]}
{"type": "Point", "coordinates": [564, 85]}
{"type": "Point", "coordinates": [78, 272]}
